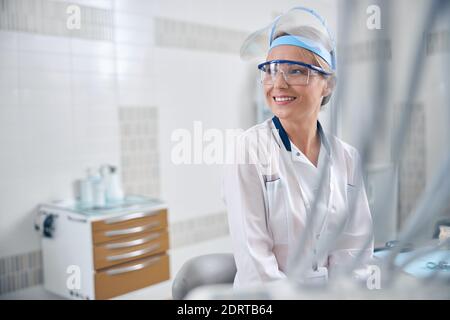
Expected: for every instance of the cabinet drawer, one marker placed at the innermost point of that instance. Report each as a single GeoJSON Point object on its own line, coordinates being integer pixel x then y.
{"type": "Point", "coordinates": [131, 276]}
{"type": "Point", "coordinates": [128, 225]}
{"type": "Point", "coordinates": [131, 248]}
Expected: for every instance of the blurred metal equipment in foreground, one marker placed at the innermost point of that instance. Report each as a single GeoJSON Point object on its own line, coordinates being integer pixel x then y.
{"type": "Point", "coordinates": [414, 265]}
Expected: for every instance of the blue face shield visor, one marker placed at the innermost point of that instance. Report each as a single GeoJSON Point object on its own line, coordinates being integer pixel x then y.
{"type": "Point", "coordinates": [301, 27]}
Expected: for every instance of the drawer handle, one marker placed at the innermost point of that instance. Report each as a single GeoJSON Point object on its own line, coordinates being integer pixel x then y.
{"type": "Point", "coordinates": [133, 242]}
{"type": "Point", "coordinates": [131, 216]}
{"type": "Point", "coordinates": [133, 254]}
{"type": "Point", "coordinates": [135, 267]}
{"type": "Point", "coordinates": [132, 230]}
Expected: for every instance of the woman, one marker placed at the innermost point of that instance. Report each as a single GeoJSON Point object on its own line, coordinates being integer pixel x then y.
{"type": "Point", "coordinates": [273, 196]}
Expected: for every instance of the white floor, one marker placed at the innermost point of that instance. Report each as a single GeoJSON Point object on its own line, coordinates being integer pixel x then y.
{"type": "Point", "coordinates": [161, 290]}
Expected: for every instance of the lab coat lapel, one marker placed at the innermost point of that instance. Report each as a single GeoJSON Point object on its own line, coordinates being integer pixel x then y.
{"type": "Point", "coordinates": [295, 202]}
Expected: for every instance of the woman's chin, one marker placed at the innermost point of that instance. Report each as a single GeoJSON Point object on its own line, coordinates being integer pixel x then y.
{"type": "Point", "coordinates": [282, 112]}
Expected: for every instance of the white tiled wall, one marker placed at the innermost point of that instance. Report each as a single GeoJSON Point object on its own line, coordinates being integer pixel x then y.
{"type": "Point", "coordinates": [50, 17]}
{"type": "Point", "coordinates": [59, 114]}
{"type": "Point", "coordinates": [140, 151]}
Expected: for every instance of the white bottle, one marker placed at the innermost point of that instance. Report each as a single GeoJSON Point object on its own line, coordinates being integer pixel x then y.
{"type": "Point", "coordinates": [86, 190]}
{"type": "Point", "coordinates": [114, 192]}
{"type": "Point", "coordinates": [98, 191]}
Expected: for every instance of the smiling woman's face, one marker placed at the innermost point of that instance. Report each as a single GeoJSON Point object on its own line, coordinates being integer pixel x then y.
{"type": "Point", "coordinates": [304, 101]}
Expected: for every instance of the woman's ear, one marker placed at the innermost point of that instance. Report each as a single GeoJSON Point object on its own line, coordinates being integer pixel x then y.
{"type": "Point", "coordinates": [329, 86]}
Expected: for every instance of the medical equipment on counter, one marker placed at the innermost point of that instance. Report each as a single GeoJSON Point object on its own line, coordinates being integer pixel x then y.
{"type": "Point", "coordinates": [101, 188]}
{"type": "Point", "coordinates": [92, 193]}
{"type": "Point", "coordinates": [86, 192]}
{"type": "Point", "coordinates": [98, 190]}
{"type": "Point", "coordinates": [114, 192]}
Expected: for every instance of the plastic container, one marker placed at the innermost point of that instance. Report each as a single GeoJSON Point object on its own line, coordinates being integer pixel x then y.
{"type": "Point", "coordinates": [86, 189]}
{"type": "Point", "coordinates": [98, 190]}
{"type": "Point", "coordinates": [114, 192]}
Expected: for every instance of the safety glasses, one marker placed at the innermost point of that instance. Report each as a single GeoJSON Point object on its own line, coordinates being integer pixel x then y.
{"type": "Point", "coordinates": [295, 73]}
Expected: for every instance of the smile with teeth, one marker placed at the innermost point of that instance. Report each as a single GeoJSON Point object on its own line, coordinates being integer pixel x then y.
{"type": "Point", "coordinates": [283, 99]}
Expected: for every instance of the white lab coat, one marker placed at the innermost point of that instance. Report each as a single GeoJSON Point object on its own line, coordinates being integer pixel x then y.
{"type": "Point", "coordinates": [267, 209]}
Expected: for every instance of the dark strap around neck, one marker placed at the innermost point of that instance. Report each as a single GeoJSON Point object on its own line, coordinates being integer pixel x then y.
{"type": "Point", "coordinates": [283, 135]}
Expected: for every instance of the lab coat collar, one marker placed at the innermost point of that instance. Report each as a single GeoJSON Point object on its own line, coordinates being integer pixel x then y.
{"type": "Point", "coordinates": [287, 143]}
{"type": "Point", "coordinates": [283, 134]}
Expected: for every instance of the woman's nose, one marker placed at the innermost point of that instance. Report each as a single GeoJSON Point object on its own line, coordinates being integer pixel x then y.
{"type": "Point", "coordinates": [280, 80]}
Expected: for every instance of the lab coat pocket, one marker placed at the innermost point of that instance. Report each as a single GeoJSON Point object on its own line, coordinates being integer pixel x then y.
{"type": "Point", "coordinates": [277, 211]}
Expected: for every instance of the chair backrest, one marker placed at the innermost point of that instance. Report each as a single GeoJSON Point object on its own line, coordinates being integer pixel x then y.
{"type": "Point", "coordinates": [218, 268]}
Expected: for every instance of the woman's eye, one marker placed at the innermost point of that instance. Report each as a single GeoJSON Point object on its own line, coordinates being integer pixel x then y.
{"type": "Point", "coordinates": [297, 71]}
{"type": "Point", "coordinates": [271, 70]}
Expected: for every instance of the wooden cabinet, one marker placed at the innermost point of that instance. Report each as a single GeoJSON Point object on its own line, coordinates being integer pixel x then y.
{"type": "Point", "coordinates": [131, 276]}
{"type": "Point", "coordinates": [114, 253]}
